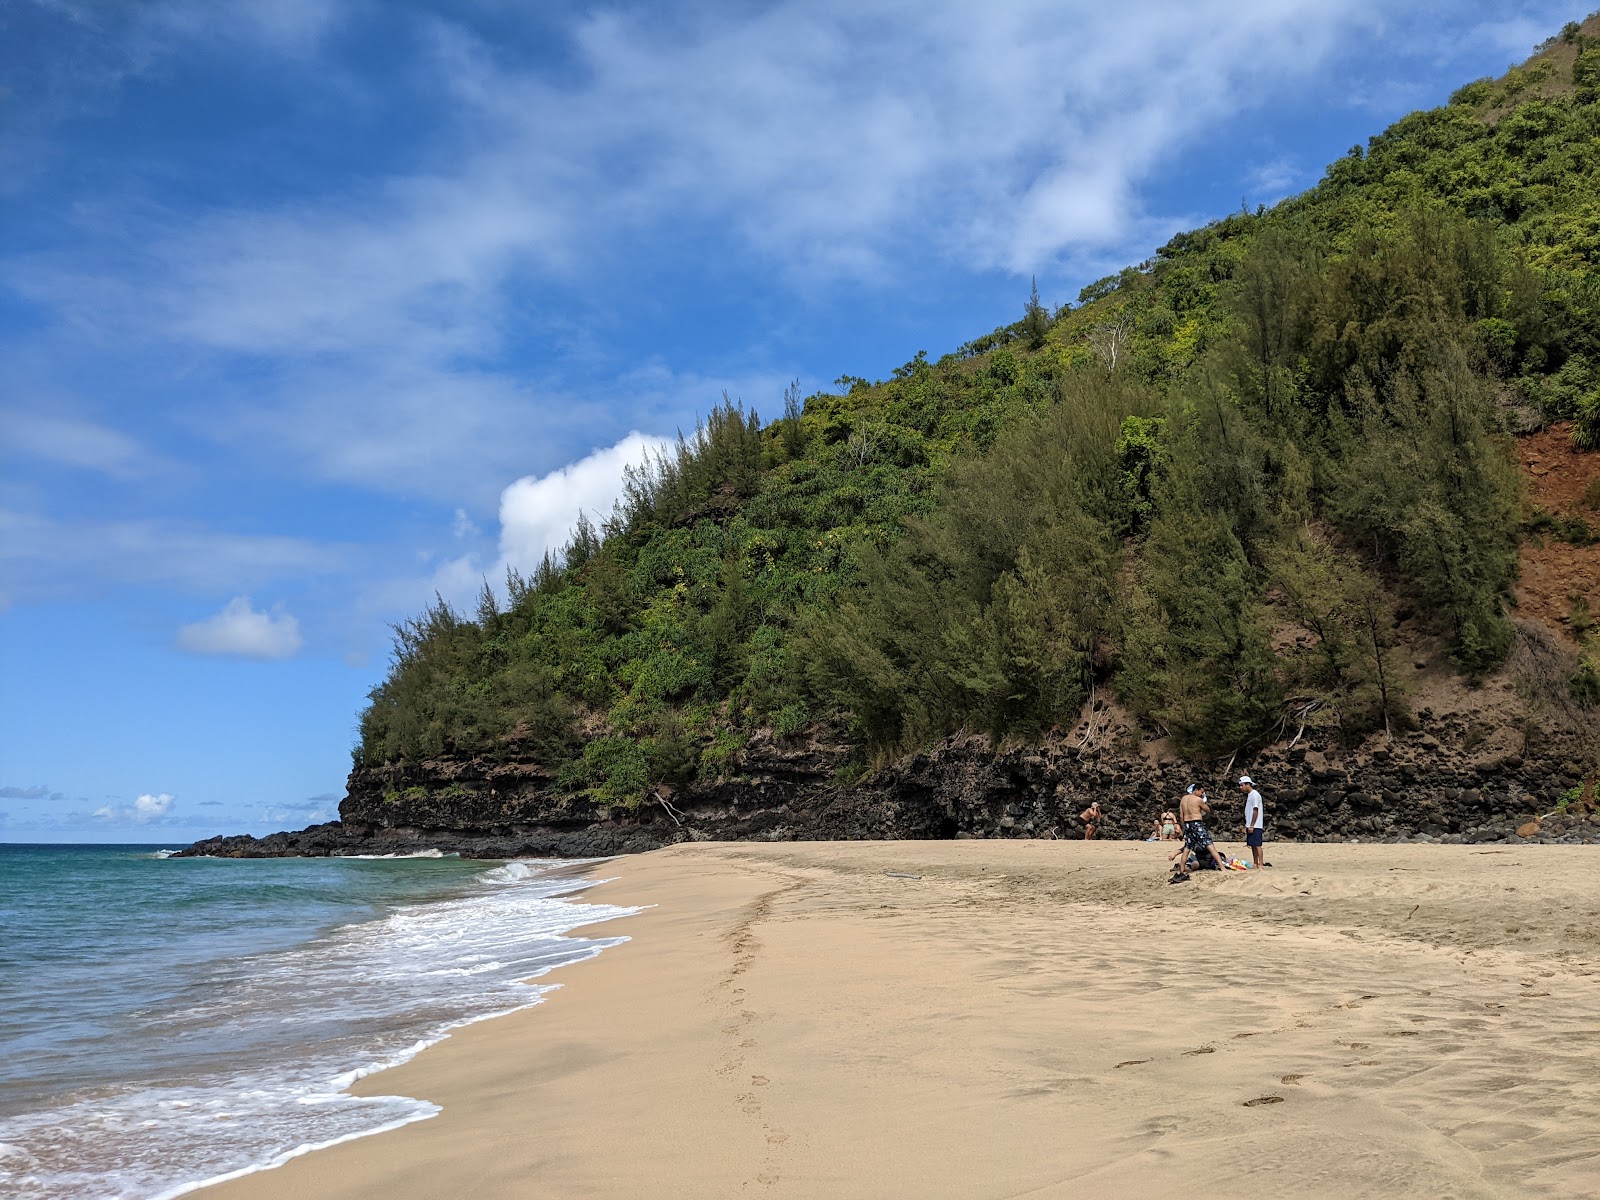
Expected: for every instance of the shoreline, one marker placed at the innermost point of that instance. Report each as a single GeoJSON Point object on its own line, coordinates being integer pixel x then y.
{"type": "Point", "coordinates": [1008, 1018]}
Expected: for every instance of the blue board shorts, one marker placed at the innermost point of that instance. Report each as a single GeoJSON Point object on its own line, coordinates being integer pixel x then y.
{"type": "Point", "coordinates": [1197, 836]}
{"type": "Point", "coordinates": [1253, 837]}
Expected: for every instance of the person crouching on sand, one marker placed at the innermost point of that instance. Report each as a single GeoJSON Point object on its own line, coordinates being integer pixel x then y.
{"type": "Point", "coordinates": [1192, 809]}
{"type": "Point", "coordinates": [1091, 820]}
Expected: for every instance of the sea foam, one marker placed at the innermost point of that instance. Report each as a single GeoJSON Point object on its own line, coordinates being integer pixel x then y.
{"type": "Point", "coordinates": [289, 1031]}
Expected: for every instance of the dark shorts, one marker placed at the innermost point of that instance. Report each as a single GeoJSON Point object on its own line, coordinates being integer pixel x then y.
{"type": "Point", "coordinates": [1196, 836]}
{"type": "Point", "coordinates": [1253, 837]}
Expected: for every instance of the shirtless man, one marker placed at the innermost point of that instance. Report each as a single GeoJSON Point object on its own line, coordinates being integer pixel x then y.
{"type": "Point", "coordinates": [1192, 809]}
{"type": "Point", "coordinates": [1091, 820]}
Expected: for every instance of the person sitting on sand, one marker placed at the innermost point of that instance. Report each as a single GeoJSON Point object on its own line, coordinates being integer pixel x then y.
{"type": "Point", "coordinates": [1091, 820]}
{"type": "Point", "coordinates": [1192, 809]}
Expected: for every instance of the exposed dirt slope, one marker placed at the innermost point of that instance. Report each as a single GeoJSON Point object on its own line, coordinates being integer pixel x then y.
{"type": "Point", "coordinates": [1563, 482]}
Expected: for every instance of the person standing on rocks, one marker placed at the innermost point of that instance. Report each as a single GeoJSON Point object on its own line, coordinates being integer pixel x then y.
{"type": "Point", "coordinates": [1255, 821]}
{"type": "Point", "coordinates": [1091, 820]}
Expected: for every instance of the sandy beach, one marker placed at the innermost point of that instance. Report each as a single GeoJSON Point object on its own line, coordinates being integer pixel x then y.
{"type": "Point", "coordinates": [1043, 1019]}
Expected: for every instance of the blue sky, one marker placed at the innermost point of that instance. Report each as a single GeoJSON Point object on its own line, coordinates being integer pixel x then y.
{"type": "Point", "coordinates": [309, 308]}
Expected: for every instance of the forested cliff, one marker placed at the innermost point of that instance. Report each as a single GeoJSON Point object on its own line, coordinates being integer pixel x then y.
{"type": "Point", "coordinates": [1256, 500]}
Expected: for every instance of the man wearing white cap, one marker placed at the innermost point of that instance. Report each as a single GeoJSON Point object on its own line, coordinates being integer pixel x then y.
{"type": "Point", "coordinates": [1255, 821]}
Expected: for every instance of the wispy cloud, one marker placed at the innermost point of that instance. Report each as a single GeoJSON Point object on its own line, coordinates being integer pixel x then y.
{"type": "Point", "coordinates": [242, 631]}
{"type": "Point", "coordinates": [312, 811]}
{"type": "Point", "coordinates": [1269, 182]}
{"type": "Point", "coordinates": [38, 791]}
{"type": "Point", "coordinates": [833, 141]}
{"type": "Point", "coordinates": [75, 442]}
{"type": "Point", "coordinates": [43, 556]}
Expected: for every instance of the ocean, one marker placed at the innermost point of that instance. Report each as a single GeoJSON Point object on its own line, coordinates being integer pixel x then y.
{"type": "Point", "coordinates": [168, 1022]}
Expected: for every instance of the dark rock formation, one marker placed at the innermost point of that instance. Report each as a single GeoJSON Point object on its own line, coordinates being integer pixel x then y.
{"type": "Point", "coordinates": [1455, 787]}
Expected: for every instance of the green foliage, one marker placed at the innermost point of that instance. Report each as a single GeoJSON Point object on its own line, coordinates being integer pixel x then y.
{"type": "Point", "coordinates": [1205, 487]}
{"type": "Point", "coordinates": [1436, 498]}
{"type": "Point", "coordinates": [1580, 620]}
{"type": "Point", "coordinates": [1343, 672]}
{"type": "Point", "coordinates": [1585, 681]}
{"type": "Point", "coordinates": [1138, 442]}
{"type": "Point", "coordinates": [1035, 319]}
{"type": "Point", "coordinates": [1197, 660]}
{"type": "Point", "coordinates": [1586, 421]}
{"type": "Point", "coordinates": [610, 771]}
{"type": "Point", "coordinates": [1571, 529]}
{"type": "Point", "coordinates": [1586, 684]}
{"type": "Point", "coordinates": [992, 613]}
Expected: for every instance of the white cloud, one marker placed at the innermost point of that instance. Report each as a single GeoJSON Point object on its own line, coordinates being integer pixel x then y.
{"type": "Point", "coordinates": [241, 631]}
{"type": "Point", "coordinates": [146, 808]}
{"type": "Point", "coordinates": [538, 513]}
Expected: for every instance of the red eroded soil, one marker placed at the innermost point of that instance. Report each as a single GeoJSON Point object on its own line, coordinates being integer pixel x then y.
{"type": "Point", "coordinates": [1560, 479]}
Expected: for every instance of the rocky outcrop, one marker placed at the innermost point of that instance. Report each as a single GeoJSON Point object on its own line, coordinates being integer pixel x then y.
{"type": "Point", "coordinates": [1411, 788]}
{"type": "Point", "coordinates": [1450, 784]}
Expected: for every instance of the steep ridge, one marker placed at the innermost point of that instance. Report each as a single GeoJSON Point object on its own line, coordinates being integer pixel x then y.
{"type": "Point", "coordinates": [739, 651]}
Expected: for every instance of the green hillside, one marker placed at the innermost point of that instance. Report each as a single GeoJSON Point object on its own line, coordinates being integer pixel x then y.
{"type": "Point", "coordinates": [1215, 487]}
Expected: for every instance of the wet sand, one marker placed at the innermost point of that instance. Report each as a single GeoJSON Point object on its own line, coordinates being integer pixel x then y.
{"type": "Point", "coordinates": [1039, 1019]}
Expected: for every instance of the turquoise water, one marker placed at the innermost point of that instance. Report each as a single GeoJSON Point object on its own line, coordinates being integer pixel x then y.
{"type": "Point", "coordinates": [167, 1021]}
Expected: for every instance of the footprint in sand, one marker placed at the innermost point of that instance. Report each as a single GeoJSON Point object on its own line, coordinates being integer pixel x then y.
{"type": "Point", "coordinates": [1291, 1079]}
{"type": "Point", "coordinates": [1263, 1100]}
{"type": "Point", "coordinates": [759, 1080]}
{"type": "Point", "coordinates": [1202, 1050]}
{"type": "Point", "coordinates": [1133, 1062]}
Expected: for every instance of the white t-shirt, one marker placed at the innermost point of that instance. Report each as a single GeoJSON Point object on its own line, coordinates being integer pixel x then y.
{"type": "Point", "coordinates": [1253, 816]}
